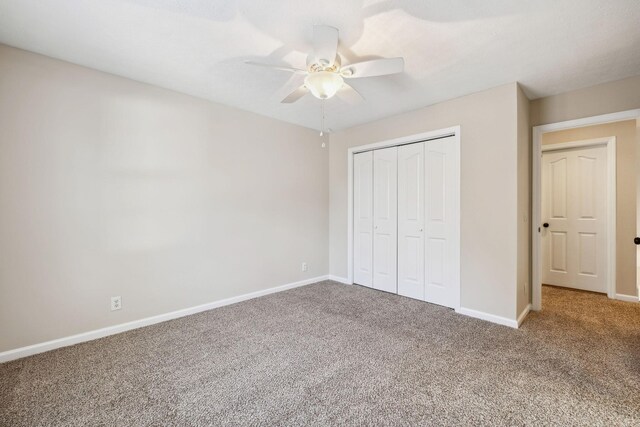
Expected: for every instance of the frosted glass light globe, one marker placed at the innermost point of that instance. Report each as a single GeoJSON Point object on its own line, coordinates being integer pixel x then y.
{"type": "Point", "coordinates": [323, 84]}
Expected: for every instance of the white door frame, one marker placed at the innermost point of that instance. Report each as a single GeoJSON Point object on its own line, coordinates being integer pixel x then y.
{"type": "Point", "coordinates": [536, 202]}
{"type": "Point", "coordinates": [410, 139]}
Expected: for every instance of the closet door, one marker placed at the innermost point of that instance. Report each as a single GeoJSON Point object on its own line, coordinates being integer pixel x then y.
{"type": "Point", "coordinates": [411, 220]}
{"type": "Point", "coordinates": [385, 219]}
{"type": "Point", "coordinates": [363, 218]}
{"type": "Point", "coordinates": [442, 222]}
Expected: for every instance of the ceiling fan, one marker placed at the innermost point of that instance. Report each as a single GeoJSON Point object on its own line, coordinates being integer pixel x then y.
{"type": "Point", "coordinates": [324, 73]}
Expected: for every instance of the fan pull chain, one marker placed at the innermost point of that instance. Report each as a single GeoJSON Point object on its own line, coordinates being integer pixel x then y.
{"type": "Point", "coordinates": [322, 123]}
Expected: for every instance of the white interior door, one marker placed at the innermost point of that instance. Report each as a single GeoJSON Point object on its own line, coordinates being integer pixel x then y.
{"type": "Point", "coordinates": [574, 210]}
{"type": "Point", "coordinates": [385, 219]}
{"type": "Point", "coordinates": [442, 222]}
{"type": "Point", "coordinates": [411, 220]}
{"type": "Point", "coordinates": [363, 218]}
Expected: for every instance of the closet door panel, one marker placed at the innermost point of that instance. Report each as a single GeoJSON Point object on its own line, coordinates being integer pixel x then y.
{"type": "Point", "coordinates": [442, 190]}
{"type": "Point", "coordinates": [411, 220]}
{"type": "Point", "coordinates": [385, 220]}
{"type": "Point", "coordinates": [363, 218]}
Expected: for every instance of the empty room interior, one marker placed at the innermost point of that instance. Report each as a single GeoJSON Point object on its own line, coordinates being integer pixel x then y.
{"type": "Point", "coordinates": [376, 212]}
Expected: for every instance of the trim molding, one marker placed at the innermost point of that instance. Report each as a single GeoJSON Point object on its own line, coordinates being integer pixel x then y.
{"type": "Point", "coordinates": [488, 317]}
{"type": "Point", "coordinates": [339, 279]}
{"type": "Point", "coordinates": [628, 298]}
{"type": "Point", "coordinates": [524, 314]}
{"type": "Point", "coordinates": [30, 350]}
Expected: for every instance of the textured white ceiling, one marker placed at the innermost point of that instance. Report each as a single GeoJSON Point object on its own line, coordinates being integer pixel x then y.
{"type": "Point", "coordinates": [451, 48]}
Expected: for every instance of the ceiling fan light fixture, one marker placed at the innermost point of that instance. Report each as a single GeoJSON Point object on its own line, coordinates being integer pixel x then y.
{"type": "Point", "coordinates": [324, 84]}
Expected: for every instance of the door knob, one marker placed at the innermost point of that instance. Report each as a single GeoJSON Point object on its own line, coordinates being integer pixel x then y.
{"type": "Point", "coordinates": [420, 229]}
{"type": "Point", "coordinates": [545, 225]}
{"type": "Point", "coordinates": [636, 240]}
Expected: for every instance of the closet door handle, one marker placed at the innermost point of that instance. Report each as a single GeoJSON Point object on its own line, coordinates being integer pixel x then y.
{"type": "Point", "coordinates": [636, 240]}
{"type": "Point", "coordinates": [420, 229]}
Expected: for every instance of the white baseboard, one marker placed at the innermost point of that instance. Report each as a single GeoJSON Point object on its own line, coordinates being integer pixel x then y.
{"type": "Point", "coordinates": [488, 317]}
{"type": "Point", "coordinates": [628, 298]}
{"type": "Point", "coordinates": [123, 327]}
{"type": "Point", "coordinates": [524, 314]}
{"type": "Point", "coordinates": [340, 280]}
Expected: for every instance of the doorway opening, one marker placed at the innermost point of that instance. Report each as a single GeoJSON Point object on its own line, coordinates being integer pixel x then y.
{"type": "Point", "coordinates": [584, 205]}
{"type": "Point", "coordinates": [579, 213]}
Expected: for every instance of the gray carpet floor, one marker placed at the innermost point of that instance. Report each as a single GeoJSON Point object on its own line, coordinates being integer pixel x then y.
{"type": "Point", "coordinates": [330, 354]}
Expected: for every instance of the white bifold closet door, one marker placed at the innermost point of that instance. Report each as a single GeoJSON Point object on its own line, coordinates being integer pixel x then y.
{"type": "Point", "coordinates": [363, 218]}
{"type": "Point", "coordinates": [411, 220]}
{"type": "Point", "coordinates": [406, 220]}
{"type": "Point", "coordinates": [442, 222]}
{"type": "Point", "coordinates": [428, 222]}
{"type": "Point", "coordinates": [385, 219]}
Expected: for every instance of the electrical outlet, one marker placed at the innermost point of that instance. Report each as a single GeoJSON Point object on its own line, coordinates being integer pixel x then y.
{"type": "Point", "coordinates": [304, 266]}
{"type": "Point", "coordinates": [116, 303]}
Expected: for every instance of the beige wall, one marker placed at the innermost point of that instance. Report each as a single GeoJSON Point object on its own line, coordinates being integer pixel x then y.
{"type": "Point", "coordinates": [612, 97]}
{"type": "Point", "coordinates": [524, 203]}
{"type": "Point", "coordinates": [488, 190]}
{"type": "Point", "coordinates": [626, 140]}
{"type": "Point", "coordinates": [113, 187]}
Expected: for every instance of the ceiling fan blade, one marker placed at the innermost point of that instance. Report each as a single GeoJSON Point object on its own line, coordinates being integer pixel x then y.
{"type": "Point", "coordinates": [325, 44]}
{"type": "Point", "coordinates": [276, 67]}
{"type": "Point", "coordinates": [293, 82]}
{"type": "Point", "coordinates": [372, 68]}
{"type": "Point", "coordinates": [295, 95]}
{"type": "Point", "coordinates": [349, 94]}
